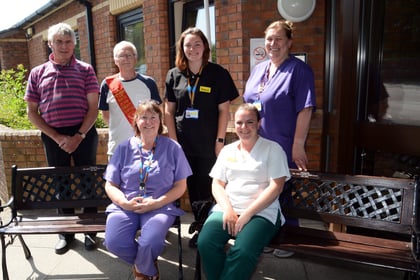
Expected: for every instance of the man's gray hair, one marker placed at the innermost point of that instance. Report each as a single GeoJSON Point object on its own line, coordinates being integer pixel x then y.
{"type": "Point", "coordinates": [124, 44]}
{"type": "Point", "coordinates": [61, 29]}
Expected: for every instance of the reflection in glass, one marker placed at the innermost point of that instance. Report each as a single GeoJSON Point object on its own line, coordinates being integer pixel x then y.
{"type": "Point", "coordinates": [398, 99]}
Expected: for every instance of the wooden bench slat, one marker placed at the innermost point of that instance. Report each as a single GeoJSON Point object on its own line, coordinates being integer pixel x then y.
{"type": "Point", "coordinates": [355, 238]}
{"type": "Point", "coordinates": [36, 229]}
{"type": "Point", "coordinates": [393, 254]}
{"type": "Point", "coordinates": [89, 222]}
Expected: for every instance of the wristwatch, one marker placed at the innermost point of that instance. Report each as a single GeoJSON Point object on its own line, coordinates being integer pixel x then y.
{"type": "Point", "coordinates": [220, 140]}
{"type": "Point", "coordinates": [81, 134]}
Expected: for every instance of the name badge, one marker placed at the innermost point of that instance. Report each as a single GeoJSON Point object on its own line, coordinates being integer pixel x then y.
{"type": "Point", "coordinates": [191, 113]}
{"type": "Point", "coordinates": [205, 89]}
{"type": "Point", "coordinates": [257, 105]}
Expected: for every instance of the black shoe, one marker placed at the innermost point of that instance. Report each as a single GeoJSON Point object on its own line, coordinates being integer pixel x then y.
{"type": "Point", "coordinates": [193, 241]}
{"type": "Point", "coordinates": [63, 243]}
{"type": "Point", "coordinates": [90, 242]}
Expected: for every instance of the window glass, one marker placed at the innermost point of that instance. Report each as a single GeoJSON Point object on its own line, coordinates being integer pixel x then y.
{"type": "Point", "coordinates": [131, 29]}
{"type": "Point", "coordinates": [195, 15]}
{"type": "Point", "coordinates": [397, 100]}
{"type": "Point", "coordinates": [77, 47]}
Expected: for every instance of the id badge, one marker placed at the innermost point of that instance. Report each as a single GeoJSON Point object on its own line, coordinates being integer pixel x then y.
{"type": "Point", "coordinates": [257, 105]}
{"type": "Point", "coordinates": [191, 113]}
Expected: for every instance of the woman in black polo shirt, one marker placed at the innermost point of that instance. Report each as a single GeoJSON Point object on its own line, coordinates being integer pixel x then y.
{"type": "Point", "coordinates": [197, 98]}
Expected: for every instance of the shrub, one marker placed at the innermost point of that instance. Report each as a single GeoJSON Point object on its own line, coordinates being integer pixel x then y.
{"type": "Point", "coordinates": [13, 106]}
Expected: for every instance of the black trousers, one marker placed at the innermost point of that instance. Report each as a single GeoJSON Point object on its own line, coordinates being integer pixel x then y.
{"type": "Point", "coordinates": [85, 154]}
{"type": "Point", "coordinates": [199, 184]}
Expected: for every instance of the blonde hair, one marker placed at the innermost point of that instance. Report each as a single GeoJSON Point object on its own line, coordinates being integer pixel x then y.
{"type": "Point", "coordinates": [250, 108]}
{"type": "Point", "coordinates": [286, 25]}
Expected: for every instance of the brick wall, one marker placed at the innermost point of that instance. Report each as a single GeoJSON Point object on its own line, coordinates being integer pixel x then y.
{"type": "Point", "coordinates": [13, 51]}
{"type": "Point", "coordinates": [105, 30]}
{"type": "Point", "coordinates": [156, 39]}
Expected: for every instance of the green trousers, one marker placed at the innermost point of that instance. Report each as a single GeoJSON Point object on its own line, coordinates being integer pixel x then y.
{"type": "Point", "coordinates": [238, 262]}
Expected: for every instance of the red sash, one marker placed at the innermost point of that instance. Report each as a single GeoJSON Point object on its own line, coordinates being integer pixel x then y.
{"type": "Point", "coordinates": [117, 89]}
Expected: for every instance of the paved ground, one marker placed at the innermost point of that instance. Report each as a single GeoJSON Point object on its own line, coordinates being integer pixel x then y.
{"type": "Point", "coordinates": [99, 264]}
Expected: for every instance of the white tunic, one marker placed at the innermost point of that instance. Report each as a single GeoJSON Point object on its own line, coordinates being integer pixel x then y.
{"type": "Point", "coordinates": [248, 176]}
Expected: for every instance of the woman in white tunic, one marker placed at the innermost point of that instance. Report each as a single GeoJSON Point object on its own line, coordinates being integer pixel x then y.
{"type": "Point", "coordinates": [248, 178]}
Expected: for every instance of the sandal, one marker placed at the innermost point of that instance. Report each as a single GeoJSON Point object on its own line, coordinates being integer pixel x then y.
{"type": "Point", "coordinates": [141, 276]}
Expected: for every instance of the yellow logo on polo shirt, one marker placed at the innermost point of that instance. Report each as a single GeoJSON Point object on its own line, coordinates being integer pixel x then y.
{"type": "Point", "coordinates": [205, 89]}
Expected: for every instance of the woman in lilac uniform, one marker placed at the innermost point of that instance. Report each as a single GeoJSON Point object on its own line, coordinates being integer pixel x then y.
{"type": "Point", "coordinates": [145, 176]}
{"type": "Point", "coordinates": [283, 90]}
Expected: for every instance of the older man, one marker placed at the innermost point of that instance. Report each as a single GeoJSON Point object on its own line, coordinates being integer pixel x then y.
{"type": "Point", "coordinates": [122, 92]}
{"type": "Point", "coordinates": [62, 97]}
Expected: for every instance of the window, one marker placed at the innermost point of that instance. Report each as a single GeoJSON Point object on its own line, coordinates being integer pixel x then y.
{"type": "Point", "coordinates": [394, 97]}
{"type": "Point", "coordinates": [389, 107]}
{"type": "Point", "coordinates": [131, 29]}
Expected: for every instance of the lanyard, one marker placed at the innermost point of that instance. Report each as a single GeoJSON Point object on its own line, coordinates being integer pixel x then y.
{"type": "Point", "coordinates": [264, 82]}
{"type": "Point", "coordinates": [191, 90]}
{"type": "Point", "coordinates": [145, 164]}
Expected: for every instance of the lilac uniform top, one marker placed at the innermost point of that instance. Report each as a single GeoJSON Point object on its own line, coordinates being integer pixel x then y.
{"type": "Point", "coordinates": [290, 90]}
{"type": "Point", "coordinates": [61, 91]}
{"type": "Point", "coordinates": [168, 166]}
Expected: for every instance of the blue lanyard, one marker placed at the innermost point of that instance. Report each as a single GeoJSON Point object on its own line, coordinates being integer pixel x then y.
{"type": "Point", "coordinates": [192, 89]}
{"type": "Point", "coordinates": [145, 167]}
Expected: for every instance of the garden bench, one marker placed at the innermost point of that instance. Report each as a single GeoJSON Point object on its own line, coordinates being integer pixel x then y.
{"type": "Point", "coordinates": [37, 192]}
{"type": "Point", "coordinates": [378, 219]}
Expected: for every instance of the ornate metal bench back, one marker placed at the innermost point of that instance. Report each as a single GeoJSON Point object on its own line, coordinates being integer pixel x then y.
{"type": "Point", "coordinates": [59, 187]}
{"type": "Point", "coordinates": [375, 199]}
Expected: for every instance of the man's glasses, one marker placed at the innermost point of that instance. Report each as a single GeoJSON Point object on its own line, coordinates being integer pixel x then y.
{"type": "Point", "coordinates": [126, 56]}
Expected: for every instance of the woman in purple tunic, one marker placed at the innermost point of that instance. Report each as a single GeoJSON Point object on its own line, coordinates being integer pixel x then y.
{"type": "Point", "coordinates": [282, 88]}
{"type": "Point", "coordinates": [145, 176]}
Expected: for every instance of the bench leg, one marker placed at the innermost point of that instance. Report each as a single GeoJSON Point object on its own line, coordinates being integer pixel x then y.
{"type": "Point", "coordinates": [25, 247]}
{"type": "Point", "coordinates": [197, 274]}
{"type": "Point", "coordinates": [180, 271]}
{"type": "Point", "coordinates": [3, 251]}
{"type": "Point", "coordinates": [3, 259]}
